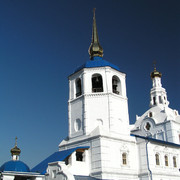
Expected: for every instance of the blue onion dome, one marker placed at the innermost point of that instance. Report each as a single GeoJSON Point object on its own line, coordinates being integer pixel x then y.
{"type": "Point", "coordinates": [18, 166]}
{"type": "Point", "coordinates": [15, 164]}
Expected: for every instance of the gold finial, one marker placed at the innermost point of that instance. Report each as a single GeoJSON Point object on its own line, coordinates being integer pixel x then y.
{"type": "Point", "coordinates": [95, 48]}
{"type": "Point", "coordinates": [15, 150]}
{"type": "Point", "coordinates": [155, 73]}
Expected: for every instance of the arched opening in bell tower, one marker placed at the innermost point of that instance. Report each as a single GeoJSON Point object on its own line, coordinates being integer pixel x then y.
{"type": "Point", "coordinates": [97, 83]}
{"type": "Point", "coordinates": [116, 85]}
{"type": "Point", "coordinates": [78, 87]}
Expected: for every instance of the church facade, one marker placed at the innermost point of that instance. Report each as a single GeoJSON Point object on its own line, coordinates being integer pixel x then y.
{"type": "Point", "coordinates": [101, 143]}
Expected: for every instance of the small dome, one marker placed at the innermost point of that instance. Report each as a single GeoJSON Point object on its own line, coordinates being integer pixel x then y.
{"type": "Point", "coordinates": [15, 151]}
{"type": "Point", "coordinates": [14, 166]}
{"type": "Point", "coordinates": [155, 74]}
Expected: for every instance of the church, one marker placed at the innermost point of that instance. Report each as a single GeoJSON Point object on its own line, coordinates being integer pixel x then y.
{"type": "Point", "coordinates": [101, 144]}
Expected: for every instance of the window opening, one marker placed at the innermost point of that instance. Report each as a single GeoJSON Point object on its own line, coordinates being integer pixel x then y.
{"type": "Point", "coordinates": [157, 159]}
{"type": "Point", "coordinates": [160, 100]}
{"type": "Point", "coordinates": [124, 158]}
{"type": "Point", "coordinates": [116, 85]}
{"type": "Point", "coordinates": [80, 155]}
{"type": "Point", "coordinates": [78, 87]}
{"type": "Point", "coordinates": [174, 161]}
{"type": "Point", "coordinates": [150, 114]}
{"type": "Point", "coordinates": [154, 100]}
{"type": "Point", "coordinates": [148, 126]}
{"type": "Point", "coordinates": [166, 160]}
{"type": "Point", "coordinates": [97, 83]}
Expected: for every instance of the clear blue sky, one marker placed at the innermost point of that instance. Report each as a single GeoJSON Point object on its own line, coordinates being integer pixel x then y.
{"type": "Point", "coordinates": [44, 41]}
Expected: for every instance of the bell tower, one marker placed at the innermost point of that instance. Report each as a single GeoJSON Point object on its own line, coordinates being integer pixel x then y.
{"type": "Point", "coordinates": [158, 95]}
{"type": "Point", "coordinates": [97, 95]}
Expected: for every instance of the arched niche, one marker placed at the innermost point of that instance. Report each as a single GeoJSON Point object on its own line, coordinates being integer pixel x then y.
{"type": "Point", "coordinates": [78, 87]}
{"type": "Point", "coordinates": [116, 85]}
{"type": "Point", "coordinates": [97, 83]}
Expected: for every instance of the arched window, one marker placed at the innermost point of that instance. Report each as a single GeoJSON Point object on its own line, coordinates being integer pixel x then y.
{"type": "Point", "coordinates": [150, 114]}
{"type": "Point", "coordinates": [124, 159]}
{"type": "Point", "coordinates": [97, 83]}
{"type": "Point", "coordinates": [116, 85]}
{"type": "Point", "coordinates": [78, 87]}
{"type": "Point", "coordinates": [157, 159]}
{"type": "Point", "coordinates": [166, 160]}
{"type": "Point", "coordinates": [174, 161]}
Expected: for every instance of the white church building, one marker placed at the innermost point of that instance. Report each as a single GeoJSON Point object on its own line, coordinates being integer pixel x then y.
{"type": "Point", "coordinates": [101, 143]}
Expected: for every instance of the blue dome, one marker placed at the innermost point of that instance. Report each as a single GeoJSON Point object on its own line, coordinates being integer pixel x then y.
{"type": "Point", "coordinates": [14, 166]}
{"type": "Point", "coordinates": [97, 62]}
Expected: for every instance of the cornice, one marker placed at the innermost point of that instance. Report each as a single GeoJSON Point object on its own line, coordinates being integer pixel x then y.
{"type": "Point", "coordinates": [88, 139]}
{"type": "Point", "coordinates": [96, 95]}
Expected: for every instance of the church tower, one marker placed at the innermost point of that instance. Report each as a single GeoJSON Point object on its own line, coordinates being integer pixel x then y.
{"type": "Point", "coordinates": [158, 95]}
{"type": "Point", "coordinates": [159, 121]}
{"type": "Point", "coordinates": [97, 95]}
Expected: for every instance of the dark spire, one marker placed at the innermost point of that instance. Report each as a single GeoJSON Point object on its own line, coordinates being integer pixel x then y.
{"type": "Point", "coordinates": [95, 48]}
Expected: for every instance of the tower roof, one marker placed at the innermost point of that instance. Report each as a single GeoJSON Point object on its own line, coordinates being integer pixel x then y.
{"type": "Point", "coordinates": [96, 52]}
{"type": "Point", "coordinates": [95, 48]}
{"type": "Point", "coordinates": [97, 62]}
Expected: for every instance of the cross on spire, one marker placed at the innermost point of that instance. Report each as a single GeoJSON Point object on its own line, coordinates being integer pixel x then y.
{"type": "Point", "coordinates": [154, 64]}
{"type": "Point", "coordinates": [16, 141]}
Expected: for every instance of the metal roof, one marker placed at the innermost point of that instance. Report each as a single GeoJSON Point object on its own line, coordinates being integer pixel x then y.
{"type": "Point", "coordinates": [57, 156]}
{"type": "Point", "coordinates": [18, 166]}
{"type": "Point", "coordinates": [157, 140]}
{"type": "Point", "coordinates": [97, 62]}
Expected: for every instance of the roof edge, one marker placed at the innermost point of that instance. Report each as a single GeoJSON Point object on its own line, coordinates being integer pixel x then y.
{"type": "Point", "coordinates": [156, 140]}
